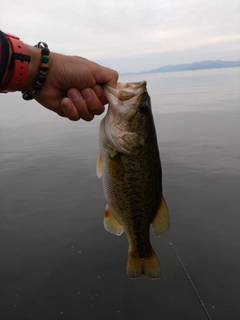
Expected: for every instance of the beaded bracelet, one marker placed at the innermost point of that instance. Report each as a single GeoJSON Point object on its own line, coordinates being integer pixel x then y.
{"type": "Point", "coordinates": [44, 66]}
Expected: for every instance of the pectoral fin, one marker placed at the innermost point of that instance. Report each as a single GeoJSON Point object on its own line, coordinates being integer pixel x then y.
{"type": "Point", "coordinates": [111, 224]}
{"type": "Point", "coordinates": [161, 221]}
{"type": "Point", "coordinates": [99, 166]}
{"type": "Point", "coordinates": [115, 167]}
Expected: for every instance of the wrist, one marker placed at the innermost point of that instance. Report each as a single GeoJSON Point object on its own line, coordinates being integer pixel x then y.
{"type": "Point", "coordinates": [28, 90]}
{"type": "Point", "coordinates": [33, 68]}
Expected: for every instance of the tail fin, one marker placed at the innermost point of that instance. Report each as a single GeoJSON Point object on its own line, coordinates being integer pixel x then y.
{"type": "Point", "coordinates": [148, 265]}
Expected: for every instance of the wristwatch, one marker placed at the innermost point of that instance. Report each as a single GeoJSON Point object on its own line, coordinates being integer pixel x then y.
{"type": "Point", "coordinates": [18, 72]}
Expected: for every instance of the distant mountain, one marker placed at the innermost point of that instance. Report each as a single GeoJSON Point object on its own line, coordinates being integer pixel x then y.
{"type": "Point", "coordinates": [216, 64]}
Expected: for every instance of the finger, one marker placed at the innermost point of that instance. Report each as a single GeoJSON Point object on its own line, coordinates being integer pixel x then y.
{"type": "Point", "coordinates": [114, 78]}
{"type": "Point", "coordinates": [93, 102]}
{"type": "Point", "coordinates": [80, 104]}
{"type": "Point", "coordinates": [69, 109]}
{"type": "Point", "coordinates": [106, 75]}
{"type": "Point", "coordinates": [100, 93]}
{"type": "Point", "coordinates": [61, 114]}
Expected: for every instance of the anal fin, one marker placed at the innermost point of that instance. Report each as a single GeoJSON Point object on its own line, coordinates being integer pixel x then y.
{"type": "Point", "coordinates": [111, 224]}
{"type": "Point", "coordinates": [161, 221]}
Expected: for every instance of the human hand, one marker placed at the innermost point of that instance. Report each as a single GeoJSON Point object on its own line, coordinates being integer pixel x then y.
{"type": "Point", "coordinates": [73, 85]}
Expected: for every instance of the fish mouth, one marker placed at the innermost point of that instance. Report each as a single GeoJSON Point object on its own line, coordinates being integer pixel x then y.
{"type": "Point", "coordinates": [125, 91]}
{"type": "Point", "coordinates": [122, 103]}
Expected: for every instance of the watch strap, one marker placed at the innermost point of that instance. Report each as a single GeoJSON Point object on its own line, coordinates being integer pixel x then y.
{"type": "Point", "coordinates": [18, 72]}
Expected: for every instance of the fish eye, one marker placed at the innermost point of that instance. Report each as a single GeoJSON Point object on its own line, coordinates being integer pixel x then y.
{"type": "Point", "coordinates": [143, 108]}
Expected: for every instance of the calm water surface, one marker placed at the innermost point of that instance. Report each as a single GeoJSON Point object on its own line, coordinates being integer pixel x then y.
{"type": "Point", "coordinates": [56, 259]}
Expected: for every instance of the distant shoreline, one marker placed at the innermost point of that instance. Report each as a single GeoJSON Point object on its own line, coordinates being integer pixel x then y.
{"type": "Point", "coordinates": [202, 65]}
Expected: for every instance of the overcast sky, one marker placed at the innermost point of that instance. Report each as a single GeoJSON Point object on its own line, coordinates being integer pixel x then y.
{"type": "Point", "coordinates": [129, 35]}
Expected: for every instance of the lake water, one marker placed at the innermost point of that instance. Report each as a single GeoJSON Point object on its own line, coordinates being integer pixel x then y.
{"type": "Point", "coordinates": [56, 259]}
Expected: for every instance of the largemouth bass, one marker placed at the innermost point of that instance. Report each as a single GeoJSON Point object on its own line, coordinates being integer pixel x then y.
{"type": "Point", "coordinates": [130, 166]}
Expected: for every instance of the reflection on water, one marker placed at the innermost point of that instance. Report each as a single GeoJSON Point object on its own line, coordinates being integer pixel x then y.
{"type": "Point", "coordinates": [56, 259]}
